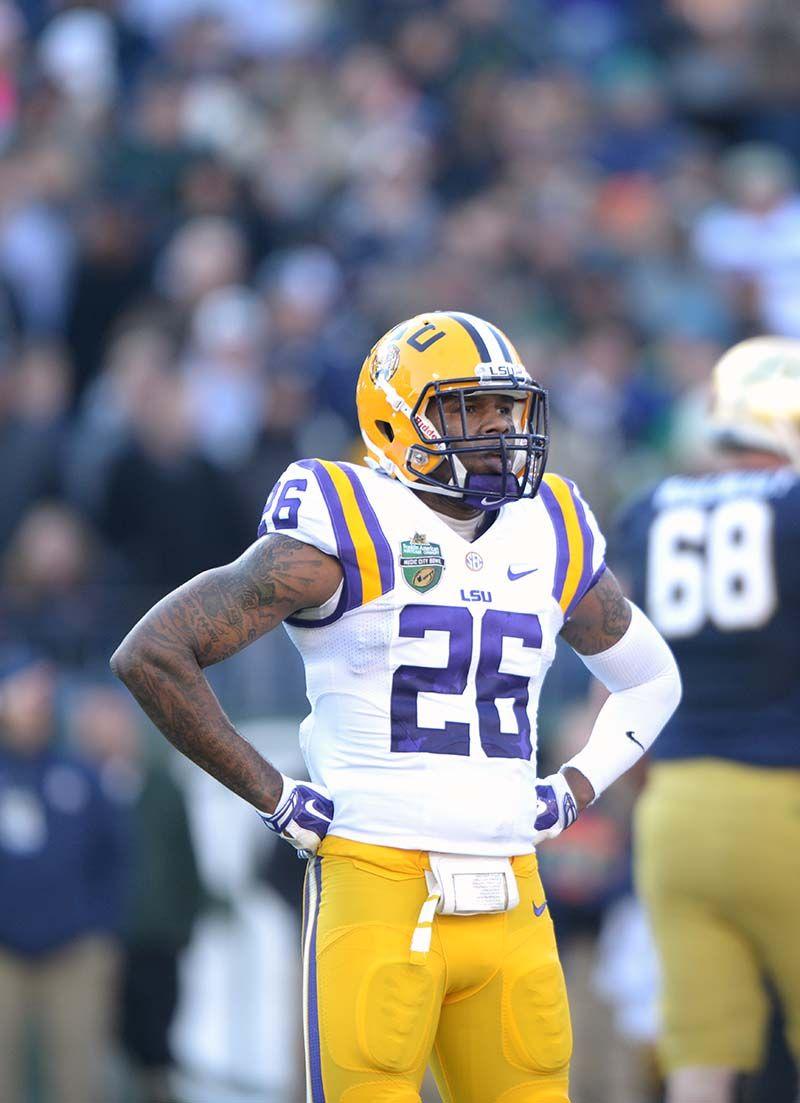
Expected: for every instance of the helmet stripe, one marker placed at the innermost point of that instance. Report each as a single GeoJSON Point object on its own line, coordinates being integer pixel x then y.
{"type": "Point", "coordinates": [502, 342]}
{"type": "Point", "coordinates": [480, 345]}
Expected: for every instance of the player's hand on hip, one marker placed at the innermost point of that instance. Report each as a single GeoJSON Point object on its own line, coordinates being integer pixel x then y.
{"type": "Point", "coordinates": [302, 815]}
{"type": "Point", "coordinates": [556, 807]}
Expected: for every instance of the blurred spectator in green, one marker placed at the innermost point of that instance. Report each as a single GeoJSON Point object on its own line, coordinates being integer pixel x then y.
{"type": "Point", "coordinates": [164, 894]}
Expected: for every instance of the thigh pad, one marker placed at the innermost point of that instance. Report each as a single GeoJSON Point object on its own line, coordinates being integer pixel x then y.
{"type": "Point", "coordinates": [378, 1011]}
{"type": "Point", "coordinates": [537, 1034]}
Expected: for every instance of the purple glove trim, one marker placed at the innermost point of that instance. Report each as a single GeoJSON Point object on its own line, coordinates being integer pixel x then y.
{"type": "Point", "coordinates": [306, 808]}
{"type": "Point", "coordinates": [548, 817]}
{"type": "Point", "coordinates": [311, 810]}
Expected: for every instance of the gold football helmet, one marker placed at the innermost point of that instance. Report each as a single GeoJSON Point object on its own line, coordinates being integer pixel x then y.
{"type": "Point", "coordinates": [409, 372]}
{"type": "Point", "coordinates": [756, 396]}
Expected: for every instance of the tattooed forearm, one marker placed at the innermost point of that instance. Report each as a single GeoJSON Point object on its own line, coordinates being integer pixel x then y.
{"type": "Point", "coordinates": [208, 619]}
{"type": "Point", "coordinates": [183, 707]}
{"type": "Point", "coordinates": [600, 619]}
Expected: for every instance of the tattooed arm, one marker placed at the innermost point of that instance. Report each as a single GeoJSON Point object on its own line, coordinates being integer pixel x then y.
{"type": "Point", "coordinates": [600, 618]}
{"type": "Point", "coordinates": [209, 618]}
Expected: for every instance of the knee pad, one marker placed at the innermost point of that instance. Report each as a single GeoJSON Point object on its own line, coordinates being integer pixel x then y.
{"type": "Point", "coordinates": [537, 1034]}
{"type": "Point", "coordinates": [381, 1092]}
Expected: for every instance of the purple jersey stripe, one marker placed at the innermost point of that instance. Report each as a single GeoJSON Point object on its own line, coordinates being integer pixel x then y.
{"type": "Point", "coordinates": [587, 537]}
{"type": "Point", "coordinates": [596, 577]}
{"type": "Point", "coordinates": [315, 1058]}
{"type": "Point", "coordinates": [262, 527]}
{"type": "Point", "coordinates": [306, 894]}
{"type": "Point", "coordinates": [382, 548]}
{"type": "Point", "coordinates": [303, 933]}
{"type": "Point", "coordinates": [346, 552]}
{"type": "Point", "coordinates": [560, 529]}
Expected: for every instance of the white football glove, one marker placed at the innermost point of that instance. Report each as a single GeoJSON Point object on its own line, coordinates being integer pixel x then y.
{"type": "Point", "coordinates": [556, 807]}
{"type": "Point", "coordinates": [302, 815]}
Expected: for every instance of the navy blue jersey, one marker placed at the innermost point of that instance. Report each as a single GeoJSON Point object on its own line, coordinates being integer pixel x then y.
{"type": "Point", "coordinates": [714, 560]}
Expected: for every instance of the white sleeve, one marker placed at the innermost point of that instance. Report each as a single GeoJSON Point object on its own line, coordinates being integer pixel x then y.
{"type": "Point", "coordinates": [642, 675]}
{"type": "Point", "coordinates": [296, 507]}
{"type": "Point", "coordinates": [325, 504]}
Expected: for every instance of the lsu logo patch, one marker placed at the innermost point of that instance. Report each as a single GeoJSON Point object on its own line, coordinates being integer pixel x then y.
{"type": "Point", "coordinates": [422, 563]}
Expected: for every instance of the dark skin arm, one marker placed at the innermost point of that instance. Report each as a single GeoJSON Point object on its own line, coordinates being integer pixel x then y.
{"type": "Point", "coordinates": [599, 620]}
{"type": "Point", "coordinates": [208, 619]}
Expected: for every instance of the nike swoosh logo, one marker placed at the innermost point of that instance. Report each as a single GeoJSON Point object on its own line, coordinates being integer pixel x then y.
{"type": "Point", "coordinates": [633, 739]}
{"type": "Point", "coordinates": [514, 575]}
{"type": "Point", "coordinates": [311, 806]}
{"type": "Point", "coordinates": [537, 911]}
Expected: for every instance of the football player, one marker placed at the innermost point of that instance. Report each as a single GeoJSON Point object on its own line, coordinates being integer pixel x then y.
{"type": "Point", "coordinates": [715, 561]}
{"type": "Point", "coordinates": [425, 593]}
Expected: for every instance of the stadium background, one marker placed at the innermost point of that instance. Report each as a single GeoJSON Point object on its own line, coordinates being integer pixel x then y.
{"type": "Point", "coordinates": [210, 209]}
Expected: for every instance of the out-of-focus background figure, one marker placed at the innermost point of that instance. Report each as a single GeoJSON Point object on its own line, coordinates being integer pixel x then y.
{"type": "Point", "coordinates": [64, 856]}
{"type": "Point", "coordinates": [208, 213]}
{"type": "Point", "coordinates": [164, 894]}
{"type": "Point", "coordinates": [714, 557]}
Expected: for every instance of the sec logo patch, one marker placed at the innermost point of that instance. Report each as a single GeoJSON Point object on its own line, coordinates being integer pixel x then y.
{"type": "Point", "coordinates": [474, 561]}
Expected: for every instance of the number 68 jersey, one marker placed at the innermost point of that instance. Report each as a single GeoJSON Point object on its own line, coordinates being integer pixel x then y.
{"type": "Point", "coordinates": [424, 669]}
{"type": "Point", "coordinates": [714, 560]}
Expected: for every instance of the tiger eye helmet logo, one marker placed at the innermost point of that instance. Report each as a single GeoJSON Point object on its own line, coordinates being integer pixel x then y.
{"type": "Point", "coordinates": [385, 362]}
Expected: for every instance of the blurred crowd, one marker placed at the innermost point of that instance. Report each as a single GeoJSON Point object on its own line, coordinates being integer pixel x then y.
{"type": "Point", "coordinates": [210, 210]}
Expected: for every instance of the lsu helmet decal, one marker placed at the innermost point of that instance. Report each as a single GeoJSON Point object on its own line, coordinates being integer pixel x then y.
{"type": "Point", "coordinates": [407, 375]}
{"type": "Point", "coordinates": [756, 396]}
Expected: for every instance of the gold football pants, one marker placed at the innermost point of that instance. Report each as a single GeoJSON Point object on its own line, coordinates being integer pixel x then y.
{"type": "Point", "coordinates": [717, 846]}
{"type": "Point", "coordinates": [486, 1005]}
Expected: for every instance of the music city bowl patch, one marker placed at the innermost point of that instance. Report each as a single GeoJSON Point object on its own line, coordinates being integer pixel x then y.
{"type": "Point", "coordinates": [422, 563]}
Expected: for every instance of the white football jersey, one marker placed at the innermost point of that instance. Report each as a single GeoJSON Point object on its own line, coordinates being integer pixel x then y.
{"type": "Point", "coordinates": [424, 669]}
